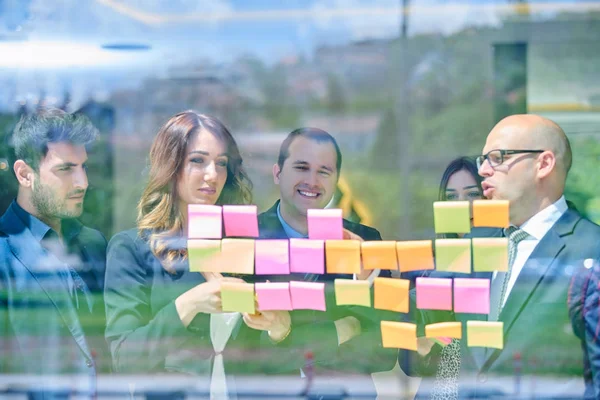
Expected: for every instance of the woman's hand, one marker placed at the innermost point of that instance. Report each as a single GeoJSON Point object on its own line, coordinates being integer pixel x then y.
{"type": "Point", "coordinates": [277, 323]}
{"type": "Point", "coordinates": [203, 298]}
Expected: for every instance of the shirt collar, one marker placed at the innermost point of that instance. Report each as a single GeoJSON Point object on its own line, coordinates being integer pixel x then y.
{"type": "Point", "coordinates": [40, 229]}
{"type": "Point", "coordinates": [289, 231]}
{"type": "Point", "coordinates": [538, 225]}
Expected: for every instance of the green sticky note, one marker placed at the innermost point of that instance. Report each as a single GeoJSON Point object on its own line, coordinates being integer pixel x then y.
{"type": "Point", "coordinates": [199, 251]}
{"type": "Point", "coordinates": [351, 292]}
{"type": "Point", "coordinates": [453, 255]}
{"type": "Point", "coordinates": [451, 217]}
{"type": "Point", "coordinates": [485, 334]}
{"type": "Point", "coordinates": [238, 297]}
{"type": "Point", "coordinates": [490, 254]}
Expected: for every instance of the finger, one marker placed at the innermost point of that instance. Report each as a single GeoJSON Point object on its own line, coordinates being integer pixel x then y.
{"type": "Point", "coordinates": [231, 279]}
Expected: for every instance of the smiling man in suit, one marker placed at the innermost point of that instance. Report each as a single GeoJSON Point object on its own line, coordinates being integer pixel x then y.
{"type": "Point", "coordinates": [526, 160]}
{"type": "Point", "coordinates": [51, 267]}
{"type": "Point", "coordinates": [307, 172]}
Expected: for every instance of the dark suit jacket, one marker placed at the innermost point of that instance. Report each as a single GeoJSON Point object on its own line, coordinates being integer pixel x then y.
{"type": "Point", "coordinates": [366, 348]}
{"type": "Point", "coordinates": [144, 331]}
{"type": "Point", "coordinates": [536, 313]}
{"type": "Point", "coordinates": [40, 331]}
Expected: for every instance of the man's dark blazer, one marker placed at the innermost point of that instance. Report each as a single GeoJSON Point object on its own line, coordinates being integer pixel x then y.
{"type": "Point", "coordinates": [367, 347]}
{"type": "Point", "coordinates": [40, 331]}
{"type": "Point", "coordinates": [536, 314]}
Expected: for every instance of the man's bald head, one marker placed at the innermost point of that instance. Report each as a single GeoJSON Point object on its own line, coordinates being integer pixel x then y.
{"type": "Point", "coordinates": [536, 132]}
{"type": "Point", "coordinates": [532, 172]}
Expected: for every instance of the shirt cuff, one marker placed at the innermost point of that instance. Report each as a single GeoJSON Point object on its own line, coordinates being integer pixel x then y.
{"type": "Point", "coordinates": [371, 277]}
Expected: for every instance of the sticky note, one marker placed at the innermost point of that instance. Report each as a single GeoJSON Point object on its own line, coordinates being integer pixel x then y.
{"type": "Point", "coordinates": [492, 213]}
{"type": "Point", "coordinates": [307, 256]}
{"type": "Point", "coordinates": [237, 297]}
{"type": "Point", "coordinates": [453, 255]}
{"type": "Point", "coordinates": [490, 254]}
{"type": "Point", "coordinates": [485, 334]}
{"type": "Point", "coordinates": [204, 222]}
{"type": "Point", "coordinates": [451, 217]}
{"type": "Point", "coordinates": [308, 295]}
{"type": "Point", "coordinates": [472, 295]}
{"type": "Point", "coordinates": [351, 292]}
{"type": "Point", "coordinates": [379, 255]}
{"type": "Point", "coordinates": [399, 335]}
{"type": "Point", "coordinates": [273, 296]}
{"type": "Point", "coordinates": [272, 257]}
{"type": "Point", "coordinates": [415, 255]}
{"type": "Point", "coordinates": [240, 220]}
{"type": "Point", "coordinates": [391, 294]}
{"type": "Point", "coordinates": [240, 253]}
{"type": "Point", "coordinates": [325, 224]}
{"type": "Point", "coordinates": [444, 330]}
{"type": "Point", "coordinates": [199, 253]}
{"type": "Point", "coordinates": [434, 293]}
{"type": "Point", "coordinates": [343, 256]}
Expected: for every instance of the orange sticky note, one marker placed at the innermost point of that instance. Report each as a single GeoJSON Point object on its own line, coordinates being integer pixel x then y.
{"type": "Point", "coordinates": [342, 256]}
{"type": "Point", "coordinates": [490, 254]}
{"type": "Point", "coordinates": [492, 213]}
{"type": "Point", "coordinates": [399, 335]}
{"type": "Point", "coordinates": [199, 253]}
{"type": "Point", "coordinates": [444, 330]}
{"type": "Point", "coordinates": [453, 255]}
{"type": "Point", "coordinates": [240, 256]}
{"type": "Point", "coordinates": [485, 334]}
{"type": "Point", "coordinates": [350, 292]}
{"type": "Point", "coordinates": [391, 294]}
{"type": "Point", "coordinates": [415, 255]}
{"type": "Point", "coordinates": [379, 255]}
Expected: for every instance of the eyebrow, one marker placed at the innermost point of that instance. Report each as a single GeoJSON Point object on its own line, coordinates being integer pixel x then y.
{"type": "Point", "coordinates": [325, 167]}
{"type": "Point", "coordinates": [67, 164]}
{"type": "Point", "coordinates": [206, 153]}
{"type": "Point", "coordinates": [466, 187]}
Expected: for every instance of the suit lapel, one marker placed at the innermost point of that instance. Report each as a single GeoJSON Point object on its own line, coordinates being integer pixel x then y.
{"type": "Point", "coordinates": [535, 269]}
{"type": "Point", "coordinates": [44, 266]}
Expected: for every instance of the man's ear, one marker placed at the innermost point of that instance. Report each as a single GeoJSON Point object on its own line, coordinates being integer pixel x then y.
{"type": "Point", "coordinates": [24, 173]}
{"type": "Point", "coordinates": [546, 164]}
{"type": "Point", "coordinates": [276, 172]}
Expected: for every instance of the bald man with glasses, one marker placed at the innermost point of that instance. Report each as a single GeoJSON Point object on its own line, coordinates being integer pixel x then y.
{"type": "Point", "coordinates": [553, 253]}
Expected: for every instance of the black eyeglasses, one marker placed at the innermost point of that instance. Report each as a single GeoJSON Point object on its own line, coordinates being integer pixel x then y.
{"type": "Point", "coordinates": [496, 157]}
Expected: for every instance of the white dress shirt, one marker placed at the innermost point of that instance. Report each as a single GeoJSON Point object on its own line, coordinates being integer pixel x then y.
{"type": "Point", "coordinates": [537, 227]}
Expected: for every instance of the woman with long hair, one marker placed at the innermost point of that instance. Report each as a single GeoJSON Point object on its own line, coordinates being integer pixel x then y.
{"type": "Point", "coordinates": [160, 316]}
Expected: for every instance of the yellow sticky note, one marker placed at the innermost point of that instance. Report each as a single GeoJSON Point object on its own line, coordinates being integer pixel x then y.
{"type": "Point", "coordinates": [238, 297]}
{"type": "Point", "coordinates": [391, 294]}
{"type": "Point", "coordinates": [490, 254]}
{"type": "Point", "coordinates": [453, 255]}
{"type": "Point", "coordinates": [199, 253]}
{"type": "Point", "coordinates": [451, 217]}
{"type": "Point", "coordinates": [492, 213]}
{"type": "Point", "coordinates": [415, 255]}
{"type": "Point", "coordinates": [239, 256]}
{"type": "Point", "coordinates": [342, 256]}
{"type": "Point", "coordinates": [485, 334]}
{"type": "Point", "coordinates": [379, 255]}
{"type": "Point", "coordinates": [399, 335]}
{"type": "Point", "coordinates": [444, 329]}
{"type": "Point", "coordinates": [350, 292]}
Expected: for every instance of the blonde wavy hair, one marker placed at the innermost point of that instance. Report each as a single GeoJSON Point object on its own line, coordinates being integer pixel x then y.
{"type": "Point", "coordinates": [159, 216]}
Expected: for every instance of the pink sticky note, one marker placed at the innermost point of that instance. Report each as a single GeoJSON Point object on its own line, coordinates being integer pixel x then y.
{"type": "Point", "coordinates": [307, 256]}
{"type": "Point", "coordinates": [472, 296]}
{"type": "Point", "coordinates": [241, 221]}
{"type": "Point", "coordinates": [308, 295]}
{"type": "Point", "coordinates": [273, 296]}
{"type": "Point", "coordinates": [272, 257]}
{"type": "Point", "coordinates": [204, 222]}
{"type": "Point", "coordinates": [434, 293]}
{"type": "Point", "coordinates": [325, 224]}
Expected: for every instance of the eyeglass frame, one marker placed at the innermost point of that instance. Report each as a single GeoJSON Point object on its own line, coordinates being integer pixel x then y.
{"type": "Point", "coordinates": [503, 153]}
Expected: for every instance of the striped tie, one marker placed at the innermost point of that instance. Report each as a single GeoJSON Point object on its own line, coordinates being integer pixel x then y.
{"type": "Point", "coordinates": [500, 282]}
